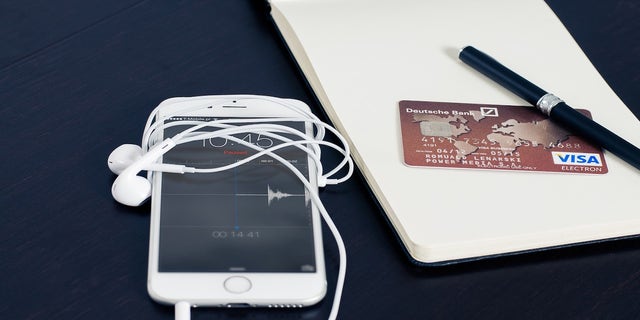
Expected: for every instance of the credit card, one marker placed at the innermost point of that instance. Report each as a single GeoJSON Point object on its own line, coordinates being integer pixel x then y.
{"type": "Point", "coordinates": [492, 137]}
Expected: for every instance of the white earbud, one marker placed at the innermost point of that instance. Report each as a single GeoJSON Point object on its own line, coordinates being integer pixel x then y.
{"type": "Point", "coordinates": [127, 154]}
{"type": "Point", "coordinates": [131, 189]}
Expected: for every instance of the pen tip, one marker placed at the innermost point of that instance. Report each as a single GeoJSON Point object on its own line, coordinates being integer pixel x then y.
{"type": "Point", "coordinates": [462, 49]}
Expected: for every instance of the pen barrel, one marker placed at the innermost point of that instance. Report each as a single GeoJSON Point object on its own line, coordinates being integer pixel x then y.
{"type": "Point", "coordinates": [501, 74]}
{"type": "Point", "coordinates": [581, 125]}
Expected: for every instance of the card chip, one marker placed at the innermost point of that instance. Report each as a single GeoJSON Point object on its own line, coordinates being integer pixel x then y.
{"type": "Point", "coordinates": [435, 129]}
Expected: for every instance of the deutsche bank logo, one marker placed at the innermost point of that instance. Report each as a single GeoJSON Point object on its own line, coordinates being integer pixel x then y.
{"type": "Point", "coordinates": [576, 158]}
{"type": "Point", "coordinates": [489, 111]}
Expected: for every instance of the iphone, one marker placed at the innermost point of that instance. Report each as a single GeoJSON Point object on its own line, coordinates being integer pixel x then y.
{"type": "Point", "coordinates": [245, 237]}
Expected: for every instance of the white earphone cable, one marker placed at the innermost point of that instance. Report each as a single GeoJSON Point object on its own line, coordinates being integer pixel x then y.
{"type": "Point", "coordinates": [154, 120]}
{"type": "Point", "coordinates": [226, 128]}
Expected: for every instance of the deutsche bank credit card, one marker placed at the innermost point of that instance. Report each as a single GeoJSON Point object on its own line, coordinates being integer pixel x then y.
{"type": "Point", "coordinates": [492, 137]}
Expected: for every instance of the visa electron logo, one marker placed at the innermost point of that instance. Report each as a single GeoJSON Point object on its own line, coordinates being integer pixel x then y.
{"type": "Point", "coordinates": [575, 158]}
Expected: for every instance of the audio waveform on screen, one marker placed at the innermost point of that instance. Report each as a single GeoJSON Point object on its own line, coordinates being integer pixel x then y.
{"type": "Point", "coordinates": [273, 194]}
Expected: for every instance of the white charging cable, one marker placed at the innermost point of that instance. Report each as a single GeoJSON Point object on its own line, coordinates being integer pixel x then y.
{"type": "Point", "coordinates": [183, 311]}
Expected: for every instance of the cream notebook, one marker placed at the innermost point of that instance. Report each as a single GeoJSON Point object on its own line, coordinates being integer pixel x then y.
{"type": "Point", "coordinates": [363, 57]}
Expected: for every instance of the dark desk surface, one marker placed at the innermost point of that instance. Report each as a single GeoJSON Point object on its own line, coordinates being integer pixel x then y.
{"type": "Point", "coordinates": [78, 78]}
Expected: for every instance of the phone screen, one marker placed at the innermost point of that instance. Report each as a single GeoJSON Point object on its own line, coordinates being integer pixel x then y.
{"type": "Point", "coordinates": [254, 218]}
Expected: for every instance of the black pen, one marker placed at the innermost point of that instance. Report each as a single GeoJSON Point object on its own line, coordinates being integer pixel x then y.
{"type": "Point", "coordinates": [552, 106]}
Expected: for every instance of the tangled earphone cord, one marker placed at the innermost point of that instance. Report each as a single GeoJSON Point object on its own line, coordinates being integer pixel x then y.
{"type": "Point", "coordinates": [154, 120]}
{"type": "Point", "coordinates": [314, 152]}
{"type": "Point", "coordinates": [226, 127]}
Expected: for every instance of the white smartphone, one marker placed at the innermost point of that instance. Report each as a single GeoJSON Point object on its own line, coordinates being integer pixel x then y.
{"type": "Point", "coordinates": [249, 236]}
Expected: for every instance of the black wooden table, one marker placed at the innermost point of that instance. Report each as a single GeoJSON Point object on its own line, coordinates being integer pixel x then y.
{"type": "Point", "coordinates": [78, 78]}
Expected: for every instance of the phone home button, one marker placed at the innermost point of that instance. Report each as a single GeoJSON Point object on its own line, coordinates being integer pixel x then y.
{"type": "Point", "coordinates": [237, 284]}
